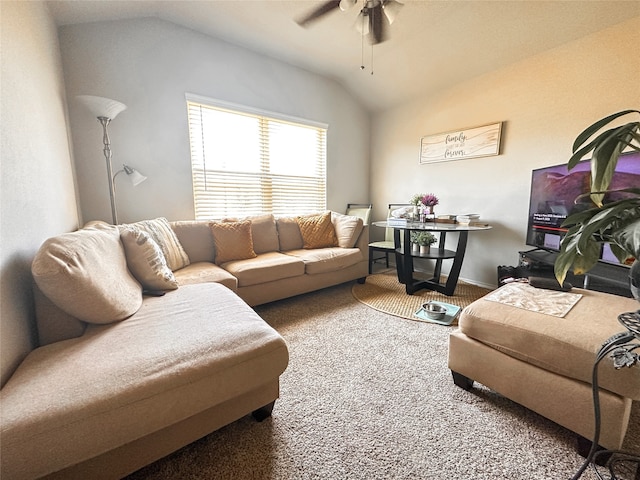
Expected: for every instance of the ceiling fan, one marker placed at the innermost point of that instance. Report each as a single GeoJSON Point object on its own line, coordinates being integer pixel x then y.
{"type": "Point", "coordinates": [372, 19]}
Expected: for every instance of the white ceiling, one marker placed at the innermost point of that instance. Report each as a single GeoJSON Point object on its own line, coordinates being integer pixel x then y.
{"type": "Point", "coordinates": [432, 44]}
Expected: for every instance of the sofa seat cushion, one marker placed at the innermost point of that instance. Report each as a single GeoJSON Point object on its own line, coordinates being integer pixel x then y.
{"type": "Point", "coordinates": [329, 259]}
{"type": "Point", "coordinates": [266, 267]}
{"type": "Point", "coordinates": [202, 272]}
{"type": "Point", "coordinates": [566, 345]}
{"type": "Point", "coordinates": [178, 355]}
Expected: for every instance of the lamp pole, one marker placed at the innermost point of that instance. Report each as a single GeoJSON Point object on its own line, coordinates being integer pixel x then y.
{"type": "Point", "coordinates": [104, 121]}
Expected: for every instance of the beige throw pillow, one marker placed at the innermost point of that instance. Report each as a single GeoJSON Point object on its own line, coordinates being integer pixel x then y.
{"type": "Point", "coordinates": [233, 241]}
{"type": "Point", "coordinates": [317, 231]}
{"type": "Point", "coordinates": [146, 261]}
{"type": "Point", "coordinates": [162, 233]}
{"type": "Point", "coordinates": [348, 229]}
{"type": "Point", "coordinates": [85, 274]}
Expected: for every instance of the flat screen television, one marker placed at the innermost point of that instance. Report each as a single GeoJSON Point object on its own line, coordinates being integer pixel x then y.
{"type": "Point", "coordinates": [553, 191]}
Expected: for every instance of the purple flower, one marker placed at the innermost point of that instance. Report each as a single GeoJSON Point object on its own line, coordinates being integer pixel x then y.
{"type": "Point", "coordinates": [429, 200]}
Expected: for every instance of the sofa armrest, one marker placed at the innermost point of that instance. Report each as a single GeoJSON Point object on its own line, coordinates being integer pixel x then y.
{"type": "Point", "coordinates": [363, 242]}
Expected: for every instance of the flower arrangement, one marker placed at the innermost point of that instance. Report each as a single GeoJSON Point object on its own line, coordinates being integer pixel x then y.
{"type": "Point", "coordinates": [425, 199]}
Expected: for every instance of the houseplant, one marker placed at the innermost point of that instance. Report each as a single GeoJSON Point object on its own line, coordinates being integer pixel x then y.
{"type": "Point", "coordinates": [616, 222]}
{"type": "Point", "coordinates": [422, 238]}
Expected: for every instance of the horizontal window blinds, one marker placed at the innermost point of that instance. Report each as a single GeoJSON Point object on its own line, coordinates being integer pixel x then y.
{"type": "Point", "coordinates": [248, 164]}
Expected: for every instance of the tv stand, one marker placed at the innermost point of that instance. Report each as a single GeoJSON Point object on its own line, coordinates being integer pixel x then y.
{"type": "Point", "coordinates": [603, 277]}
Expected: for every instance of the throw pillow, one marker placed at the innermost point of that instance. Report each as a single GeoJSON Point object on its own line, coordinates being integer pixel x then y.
{"type": "Point", "coordinates": [85, 274]}
{"type": "Point", "coordinates": [233, 241]}
{"type": "Point", "coordinates": [317, 231]}
{"type": "Point", "coordinates": [348, 229]}
{"type": "Point", "coordinates": [146, 261]}
{"type": "Point", "coordinates": [162, 233]}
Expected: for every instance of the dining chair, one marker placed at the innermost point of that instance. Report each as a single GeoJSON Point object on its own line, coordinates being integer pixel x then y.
{"type": "Point", "coordinates": [386, 246]}
{"type": "Point", "coordinates": [360, 210]}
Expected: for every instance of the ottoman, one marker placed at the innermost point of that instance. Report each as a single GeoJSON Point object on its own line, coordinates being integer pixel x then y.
{"type": "Point", "coordinates": [544, 360]}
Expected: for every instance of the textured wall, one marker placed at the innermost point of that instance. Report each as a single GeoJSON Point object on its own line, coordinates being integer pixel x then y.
{"type": "Point", "coordinates": [37, 192]}
{"type": "Point", "coordinates": [149, 65]}
{"type": "Point", "coordinates": [545, 102]}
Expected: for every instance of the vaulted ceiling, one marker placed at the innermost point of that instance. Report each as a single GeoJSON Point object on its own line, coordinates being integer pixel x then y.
{"type": "Point", "coordinates": [432, 43]}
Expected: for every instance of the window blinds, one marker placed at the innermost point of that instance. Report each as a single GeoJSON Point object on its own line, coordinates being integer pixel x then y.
{"type": "Point", "coordinates": [245, 163]}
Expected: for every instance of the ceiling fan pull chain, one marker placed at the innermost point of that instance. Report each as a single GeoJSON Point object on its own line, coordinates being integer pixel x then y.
{"type": "Point", "coordinates": [371, 59]}
{"type": "Point", "coordinates": [362, 45]}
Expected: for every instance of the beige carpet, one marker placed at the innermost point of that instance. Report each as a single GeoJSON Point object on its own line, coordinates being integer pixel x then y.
{"type": "Point", "coordinates": [368, 396]}
{"type": "Point", "coordinates": [383, 292]}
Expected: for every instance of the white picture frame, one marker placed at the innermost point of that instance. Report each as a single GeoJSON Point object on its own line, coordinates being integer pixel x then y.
{"type": "Point", "coordinates": [483, 141]}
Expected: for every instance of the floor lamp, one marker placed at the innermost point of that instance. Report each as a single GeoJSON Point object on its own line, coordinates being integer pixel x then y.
{"type": "Point", "coordinates": [106, 110]}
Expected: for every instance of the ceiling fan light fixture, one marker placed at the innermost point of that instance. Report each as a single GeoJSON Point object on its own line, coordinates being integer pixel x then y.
{"type": "Point", "coordinates": [347, 4]}
{"type": "Point", "coordinates": [362, 22]}
{"type": "Point", "coordinates": [391, 8]}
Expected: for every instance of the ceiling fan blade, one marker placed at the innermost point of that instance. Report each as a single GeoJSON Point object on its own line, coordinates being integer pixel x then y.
{"type": "Point", "coordinates": [376, 25]}
{"type": "Point", "coordinates": [323, 9]}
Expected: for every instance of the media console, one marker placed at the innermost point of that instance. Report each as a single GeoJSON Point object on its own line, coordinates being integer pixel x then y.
{"type": "Point", "coordinates": [603, 277]}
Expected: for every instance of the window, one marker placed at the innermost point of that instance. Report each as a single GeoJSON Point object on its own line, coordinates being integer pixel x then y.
{"type": "Point", "coordinates": [246, 162]}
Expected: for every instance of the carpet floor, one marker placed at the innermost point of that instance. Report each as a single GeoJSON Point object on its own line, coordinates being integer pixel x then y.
{"type": "Point", "coordinates": [368, 395]}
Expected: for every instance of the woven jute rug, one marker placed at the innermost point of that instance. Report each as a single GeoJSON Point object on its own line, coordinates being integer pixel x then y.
{"type": "Point", "coordinates": [383, 292]}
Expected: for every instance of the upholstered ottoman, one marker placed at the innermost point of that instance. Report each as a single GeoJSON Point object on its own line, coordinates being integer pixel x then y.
{"type": "Point", "coordinates": [537, 347]}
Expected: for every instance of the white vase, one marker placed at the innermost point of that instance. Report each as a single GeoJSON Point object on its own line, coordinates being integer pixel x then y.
{"type": "Point", "coordinates": [415, 247]}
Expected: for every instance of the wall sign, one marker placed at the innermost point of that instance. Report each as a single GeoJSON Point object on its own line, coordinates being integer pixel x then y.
{"type": "Point", "coordinates": [470, 143]}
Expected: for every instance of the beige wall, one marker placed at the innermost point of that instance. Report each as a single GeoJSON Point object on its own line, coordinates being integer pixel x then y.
{"type": "Point", "coordinates": [544, 103]}
{"type": "Point", "coordinates": [37, 191]}
{"type": "Point", "coordinates": [150, 65]}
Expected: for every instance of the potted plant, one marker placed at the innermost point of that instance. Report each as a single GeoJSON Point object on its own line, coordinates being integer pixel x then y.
{"type": "Point", "coordinates": [423, 239]}
{"type": "Point", "coordinates": [615, 222]}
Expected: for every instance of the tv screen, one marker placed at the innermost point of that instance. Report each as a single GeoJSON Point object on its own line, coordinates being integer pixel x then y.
{"type": "Point", "coordinates": [553, 191]}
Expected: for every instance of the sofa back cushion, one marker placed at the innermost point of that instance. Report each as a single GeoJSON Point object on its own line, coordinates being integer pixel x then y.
{"type": "Point", "coordinates": [264, 233]}
{"type": "Point", "coordinates": [289, 236]}
{"type": "Point", "coordinates": [54, 324]}
{"type": "Point", "coordinates": [196, 239]}
{"type": "Point", "coordinates": [85, 274]}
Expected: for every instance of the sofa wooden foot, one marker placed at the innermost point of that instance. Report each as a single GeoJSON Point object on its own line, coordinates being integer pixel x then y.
{"type": "Point", "coordinates": [361, 280]}
{"type": "Point", "coordinates": [461, 381]}
{"type": "Point", "coordinates": [263, 412]}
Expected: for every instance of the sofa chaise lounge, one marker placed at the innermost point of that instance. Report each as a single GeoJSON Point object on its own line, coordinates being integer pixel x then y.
{"type": "Point", "coordinates": [121, 379]}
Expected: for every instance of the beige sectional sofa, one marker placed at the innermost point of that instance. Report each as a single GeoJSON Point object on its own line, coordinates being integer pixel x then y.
{"type": "Point", "coordinates": [120, 378]}
{"type": "Point", "coordinates": [282, 267]}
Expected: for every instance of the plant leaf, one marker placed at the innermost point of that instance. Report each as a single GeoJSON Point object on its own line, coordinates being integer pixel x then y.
{"type": "Point", "coordinates": [627, 239]}
{"type": "Point", "coordinates": [587, 132]}
{"type": "Point", "coordinates": [605, 159]}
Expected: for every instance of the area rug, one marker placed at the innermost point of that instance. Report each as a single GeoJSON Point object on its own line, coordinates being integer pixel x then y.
{"type": "Point", "coordinates": [383, 292]}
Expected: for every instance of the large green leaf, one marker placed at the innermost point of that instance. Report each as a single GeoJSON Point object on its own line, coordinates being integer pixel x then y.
{"type": "Point", "coordinates": [587, 132]}
{"type": "Point", "coordinates": [628, 239]}
{"type": "Point", "coordinates": [605, 159]}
